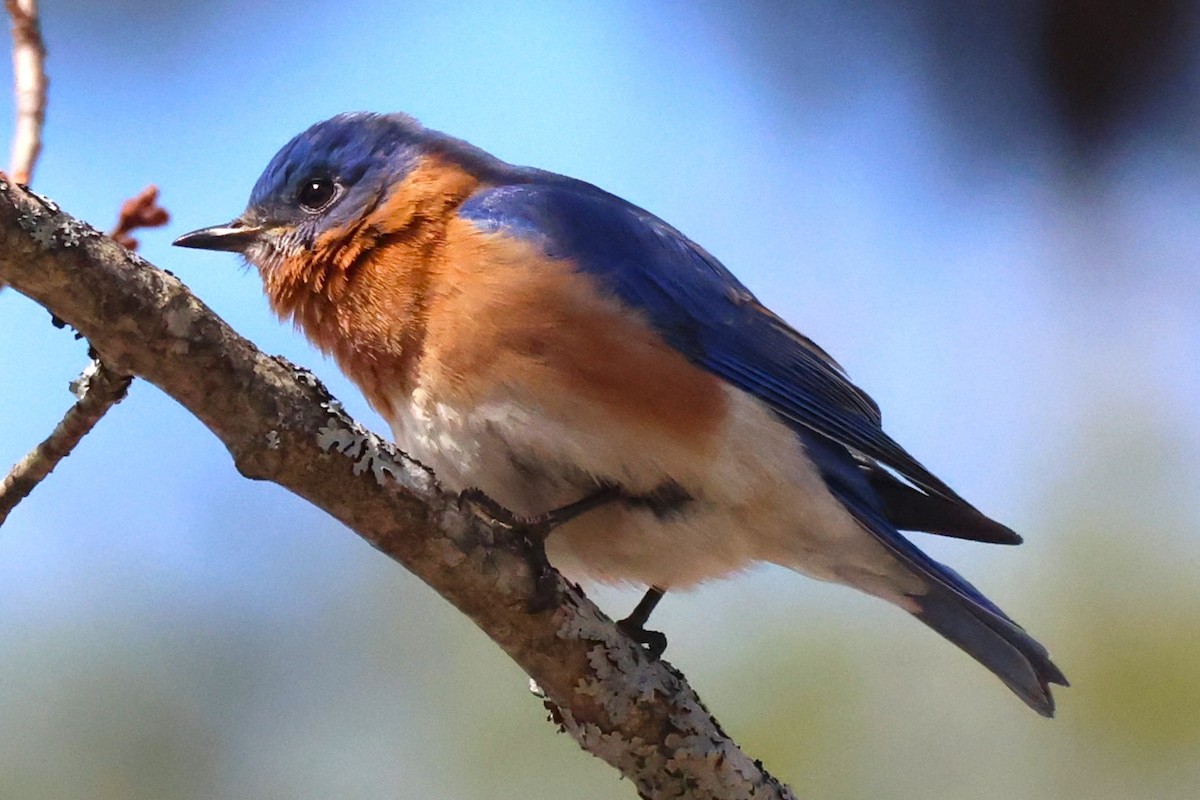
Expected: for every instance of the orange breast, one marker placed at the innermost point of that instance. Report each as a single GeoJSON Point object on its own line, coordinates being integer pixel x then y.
{"type": "Point", "coordinates": [412, 295]}
{"type": "Point", "coordinates": [502, 315]}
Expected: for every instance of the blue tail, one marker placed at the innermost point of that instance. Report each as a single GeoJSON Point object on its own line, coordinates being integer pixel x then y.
{"type": "Point", "coordinates": [990, 638]}
{"type": "Point", "coordinates": [950, 605]}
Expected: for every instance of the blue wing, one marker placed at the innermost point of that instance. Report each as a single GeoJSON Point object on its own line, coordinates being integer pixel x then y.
{"type": "Point", "coordinates": [702, 310]}
{"type": "Point", "coordinates": [699, 307]}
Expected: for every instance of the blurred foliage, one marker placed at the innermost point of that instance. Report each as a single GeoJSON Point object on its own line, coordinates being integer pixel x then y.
{"type": "Point", "coordinates": [1077, 76]}
{"type": "Point", "coordinates": [1129, 611]}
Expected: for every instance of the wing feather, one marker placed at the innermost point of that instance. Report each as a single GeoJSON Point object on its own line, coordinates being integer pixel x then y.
{"type": "Point", "coordinates": [698, 306]}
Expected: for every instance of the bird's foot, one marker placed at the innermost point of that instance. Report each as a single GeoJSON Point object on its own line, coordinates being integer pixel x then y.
{"type": "Point", "coordinates": [654, 642]}
{"type": "Point", "coordinates": [481, 504]}
{"type": "Point", "coordinates": [634, 626]}
{"type": "Point", "coordinates": [533, 532]}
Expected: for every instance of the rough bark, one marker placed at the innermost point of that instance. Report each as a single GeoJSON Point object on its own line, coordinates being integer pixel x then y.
{"type": "Point", "coordinates": [280, 424]}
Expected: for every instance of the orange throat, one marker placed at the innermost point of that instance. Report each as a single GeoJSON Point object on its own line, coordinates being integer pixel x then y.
{"type": "Point", "coordinates": [360, 294]}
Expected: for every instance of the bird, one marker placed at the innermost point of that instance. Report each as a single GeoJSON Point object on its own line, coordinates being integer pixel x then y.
{"type": "Point", "coordinates": [568, 355]}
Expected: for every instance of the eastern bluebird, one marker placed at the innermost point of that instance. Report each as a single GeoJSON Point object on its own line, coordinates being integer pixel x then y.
{"type": "Point", "coordinates": [537, 339]}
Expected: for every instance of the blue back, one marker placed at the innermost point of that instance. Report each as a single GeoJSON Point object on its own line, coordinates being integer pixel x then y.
{"type": "Point", "coordinates": [703, 311]}
{"type": "Point", "coordinates": [697, 305]}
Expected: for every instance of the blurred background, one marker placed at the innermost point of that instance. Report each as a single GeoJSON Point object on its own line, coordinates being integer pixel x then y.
{"type": "Point", "coordinates": [986, 211]}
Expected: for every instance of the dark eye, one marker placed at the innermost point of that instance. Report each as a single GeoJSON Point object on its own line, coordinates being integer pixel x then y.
{"type": "Point", "coordinates": [316, 193]}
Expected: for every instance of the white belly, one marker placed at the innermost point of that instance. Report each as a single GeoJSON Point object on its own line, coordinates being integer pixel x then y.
{"type": "Point", "coordinates": [757, 497]}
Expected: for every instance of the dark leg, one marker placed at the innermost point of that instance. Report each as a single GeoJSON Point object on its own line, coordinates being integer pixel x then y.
{"type": "Point", "coordinates": [665, 500]}
{"type": "Point", "coordinates": [541, 524]}
{"type": "Point", "coordinates": [634, 626]}
{"type": "Point", "coordinates": [534, 531]}
{"type": "Point", "coordinates": [561, 516]}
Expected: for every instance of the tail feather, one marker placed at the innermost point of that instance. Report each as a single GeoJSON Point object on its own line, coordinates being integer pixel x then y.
{"type": "Point", "coordinates": [994, 641]}
{"type": "Point", "coordinates": [960, 612]}
{"type": "Point", "coordinates": [949, 604]}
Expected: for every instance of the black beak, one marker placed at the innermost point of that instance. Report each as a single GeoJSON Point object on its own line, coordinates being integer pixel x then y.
{"type": "Point", "coordinates": [233, 237]}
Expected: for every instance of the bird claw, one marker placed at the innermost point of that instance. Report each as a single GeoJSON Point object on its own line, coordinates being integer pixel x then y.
{"type": "Point", "coordinates": [634, 626]}
{"type": "Point", "coordinates": [654, 642]}
{"type": "Point", "coordinates": [483, 506]}
{"type": "Point", "coordinates": [545, 587]}
{"type": "Point", "coordinates": [533, 532]}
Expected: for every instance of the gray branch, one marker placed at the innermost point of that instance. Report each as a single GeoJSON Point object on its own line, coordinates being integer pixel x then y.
{"type": "Point", "coordinates": [280, 424]}
{"type": "Point", "coordinates": [98, 389]}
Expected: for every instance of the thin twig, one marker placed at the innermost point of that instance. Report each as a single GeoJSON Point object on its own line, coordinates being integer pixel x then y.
{"type": "Point", "coordinates": [140, 211]}
{"type": "Point", "coordinates": [98, 390]}
{"type": "Point", "coordinates": [29, 79]}
{"type": "Point", "coordinates": [29, 83]}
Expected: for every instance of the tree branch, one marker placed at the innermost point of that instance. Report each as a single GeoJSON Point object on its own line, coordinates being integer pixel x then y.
{"type": "Point", "coordinates": [98, 389]}
{"type": "Point", "coordinates": [280, 424]}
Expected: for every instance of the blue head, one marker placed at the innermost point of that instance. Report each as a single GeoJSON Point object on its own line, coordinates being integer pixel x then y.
{"type": "Point", "coordinates": [334, 171]}
{"type": "Point", "coordinates": [325, 179]}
